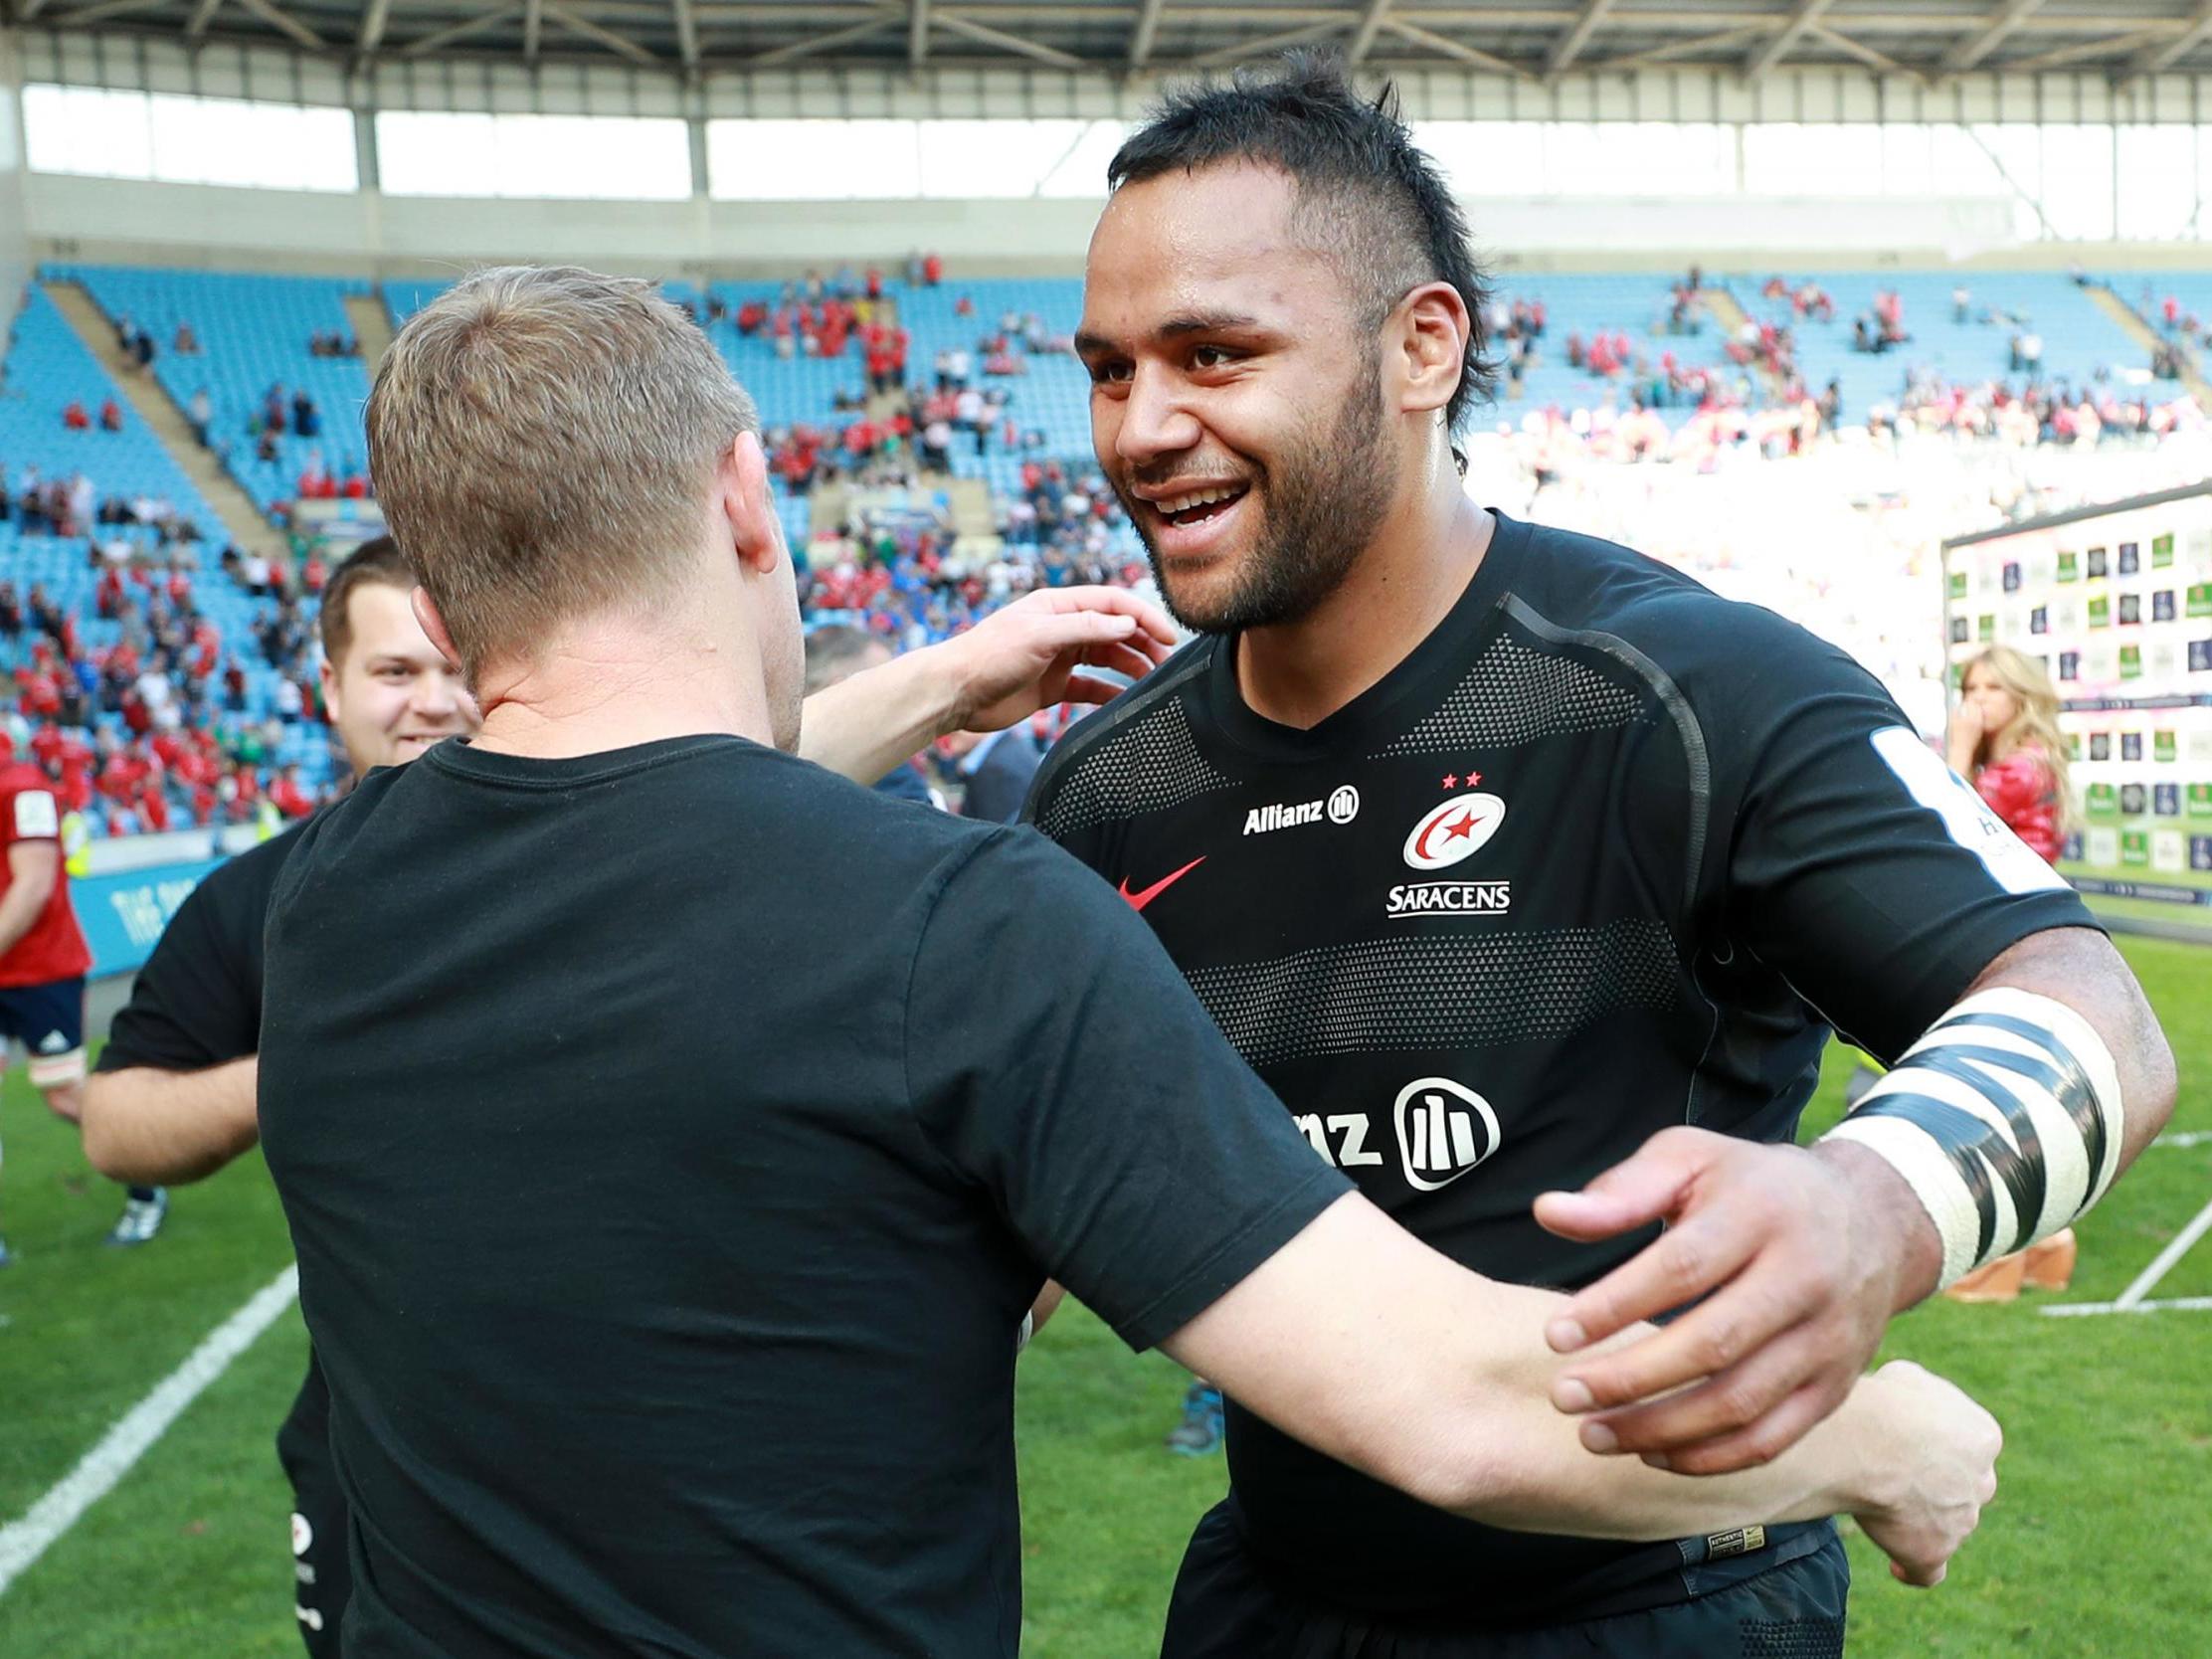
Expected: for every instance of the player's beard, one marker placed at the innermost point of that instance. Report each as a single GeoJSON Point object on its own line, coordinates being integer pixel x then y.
{"type": "Point", "coordinates": [1322, 500]}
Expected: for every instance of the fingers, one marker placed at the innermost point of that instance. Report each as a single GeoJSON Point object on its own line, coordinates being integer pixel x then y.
{"type": "Point", "coordinates": [1096, 601]}
{"type": "Point", "coordinates": [1682, 1264]}
{"type": "Point", "coordinates": [1921, 1577]}
{"type": "Point", "coordinates": [1762, 1439]}
{"type": "Point", "coordinates": [1086, 690]}
{"type": "Point", "coordinates": [1634, 1193]}
{"type": "Point", "coordinates": [1122, 660]}
{"type": "Point", "coordinates": [1727, 1402]}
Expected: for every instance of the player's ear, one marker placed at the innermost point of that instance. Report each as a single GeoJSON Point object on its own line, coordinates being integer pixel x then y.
{"type": "Point", "coordinates": [331, 691]}
{"type": "Point", "coordinates": [746, 504]}
{"type": "Point", "coordinates": [433, 624]}
{"type": "Point", "coordinates": [1425, 346]}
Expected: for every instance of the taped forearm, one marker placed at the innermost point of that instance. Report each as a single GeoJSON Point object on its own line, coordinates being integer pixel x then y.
{"type": "Point", "coordinates": [2006, 1120]}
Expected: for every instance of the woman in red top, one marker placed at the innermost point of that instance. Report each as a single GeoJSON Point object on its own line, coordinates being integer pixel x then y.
{"type": "Point", "coordinates": [2004, 740]}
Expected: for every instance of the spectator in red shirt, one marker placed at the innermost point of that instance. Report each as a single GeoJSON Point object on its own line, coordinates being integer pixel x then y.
{"type": "Point", "coordinates": [73, 418]}
{"type": "Point", "coordinates": [110, 416]}
{"type": "Point", "coordinates": [933, 270]}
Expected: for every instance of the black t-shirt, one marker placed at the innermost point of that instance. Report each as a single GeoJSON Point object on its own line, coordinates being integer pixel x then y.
{"type": "Point", "coordinates": [673, 1141]}
{"type": "Point", "coordinates": [1603, 853]}
{"type": "Point", "coordinates": [197, 1003]}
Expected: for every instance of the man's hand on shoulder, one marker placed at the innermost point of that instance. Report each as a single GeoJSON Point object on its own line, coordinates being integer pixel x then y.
{"type": "Point", "coordinates": [1031, 655]}
{"type": "Point", "coordinates": [1801, 1256]}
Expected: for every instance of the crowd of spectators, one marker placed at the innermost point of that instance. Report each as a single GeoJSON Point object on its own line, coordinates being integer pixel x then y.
{"type": "Point", "coordinates": [154, 730]}
{"type": "Point", "coordinates": [895, 568]}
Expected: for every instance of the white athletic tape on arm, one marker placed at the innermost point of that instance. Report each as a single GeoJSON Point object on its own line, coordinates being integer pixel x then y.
{"type": "Point", "coordinates": [2004, 1119]}
{"type": "Point", "coordinates": [1028, 1330]}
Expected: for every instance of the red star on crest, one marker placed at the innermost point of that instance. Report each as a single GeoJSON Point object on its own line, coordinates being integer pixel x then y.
{"type": "Point", "coordinates": [1473, 778]}
{"type": "Point", "coordinates": [1450, 781]}
{"type": "Point", "coordinates": [1463, 829]}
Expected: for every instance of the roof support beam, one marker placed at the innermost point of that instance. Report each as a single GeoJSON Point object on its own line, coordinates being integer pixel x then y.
{"type": "Point", "coordinates": [372, 28]}
{"type": "Point", "coordinates": [2157, 58]}
{"type": "Point", "coordinates": [2065, 55]}
{"type": "Point", "coordinates": [1577, 36]}
{"type": "Point", "coordinates": [292, 25]}
{"type": "Point", "coordinates": [688, 34]}
{"type": "Point", "coordinates": [1467, 55]}
{"type": "Point", "coordinates": [823, 43]}
{"type": "Point", "coordinates": [584, 26]}
{"type": "Point", "coordinates": [1148, 29]}
{"type": "Point", "coordinates": [458, 31]}
{"type": "Point", "coordinates": [1766, 57]}
{"type": "Point", "coordinates": [533, 30]}
{"type": "Point", "coordinates": [1363, 37]}
{"type": "Point", "coordinates": [95, 12]}
{"type": "Point", "coordinates": [917, 32]}
{"type": "Point", "coordinates": [202, 15]}
{"type": "Point", "coordinates": [29, 9]}
{"type": "Point", "coordinates": [1970, 51]}
{"type": "Point", "coordinates": [1265, 44]}
{"type": "Point", "coordinates": [988, 35]}
{"type": "Point", "coordinates": [1866, 55]}
{"type": "Point", "coordinates": [1727, 40]}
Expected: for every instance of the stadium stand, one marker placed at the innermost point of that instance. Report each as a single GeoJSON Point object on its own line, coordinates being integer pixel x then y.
{"type": "Point", "coordinates": [152, 592]}
{"type": "Point", "coordinates": [253, 334]}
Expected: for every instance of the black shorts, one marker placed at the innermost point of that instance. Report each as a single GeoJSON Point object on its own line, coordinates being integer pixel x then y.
{"type": "Point", "coordinates": [323, 1571]}
{"type": "Point", "coordinates": [1223, 1608]}
{"type": "Point", "coordinates": [47, 1020]}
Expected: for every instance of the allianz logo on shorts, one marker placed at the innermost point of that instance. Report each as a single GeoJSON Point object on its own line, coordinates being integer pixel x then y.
{"type": "Point", "coordinates": [1342, 806]}
{"type": "Point", "coordinates": [1444, 1129]}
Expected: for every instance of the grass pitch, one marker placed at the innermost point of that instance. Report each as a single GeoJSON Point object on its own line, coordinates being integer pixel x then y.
{"type": "Point", "coordinates": [2098, 1544]}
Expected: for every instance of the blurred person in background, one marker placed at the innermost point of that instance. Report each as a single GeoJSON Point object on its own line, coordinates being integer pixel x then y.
{"type": "Point", "coordinates": [2004, 740]}
{"type": "Point", "coordinates": [43, 963]}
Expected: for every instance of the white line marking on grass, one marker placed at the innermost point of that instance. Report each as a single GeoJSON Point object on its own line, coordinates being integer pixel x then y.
{"type": "Point", "coordinates": [2149, 1278]}
{"type": "Point", "coordinates": [2178, 1304]}
{"type": "Point", "coordinates": [2193, 1138]}
{"type": "Point", "coordinates": [23, 1542]}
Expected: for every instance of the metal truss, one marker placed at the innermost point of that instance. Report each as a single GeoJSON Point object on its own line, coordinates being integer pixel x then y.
{"type": "Point", "coordinates": [1931, 41]}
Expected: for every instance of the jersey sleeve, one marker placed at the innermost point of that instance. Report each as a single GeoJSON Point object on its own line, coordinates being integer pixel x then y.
{"type": "Point", "coordinates": [30, 815]}
{"type": "Point", "coordinates": [1857, 864]}
{"type": "Point", "coordinates": [197, 1000]}
{"type": "Point", "coordinates": [1056, 1059]}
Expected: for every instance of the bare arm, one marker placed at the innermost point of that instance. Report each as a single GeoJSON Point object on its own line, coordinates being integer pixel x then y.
{"type": "Point", "coordinates": [33, 868]}
{"type": "Point", "coordinates": [1027, 657]}
{"type": "Point", "coordinates": [1373, 1347]}
{"type": "Point", "coordinates": [165, 1128]}
{"type": "Point", "coordinates": [1813, 1249]}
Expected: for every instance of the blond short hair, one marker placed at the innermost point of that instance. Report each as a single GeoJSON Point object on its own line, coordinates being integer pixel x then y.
{"type": "Point", "coordinates": [544, 441]}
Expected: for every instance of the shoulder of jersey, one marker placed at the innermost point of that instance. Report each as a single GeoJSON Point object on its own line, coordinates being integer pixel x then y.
{"type": "Point", "coordinates": [1081, 742]}
{"type": "Point", "coordinates": [1585, 584]}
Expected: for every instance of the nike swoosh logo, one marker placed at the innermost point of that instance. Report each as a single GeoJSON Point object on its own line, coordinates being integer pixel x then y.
{"type": "Point", "coordinates": [1137, 901]}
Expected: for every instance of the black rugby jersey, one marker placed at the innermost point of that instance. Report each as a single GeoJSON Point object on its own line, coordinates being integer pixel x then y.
{"type": "Point", "coordinates": [1605, 853]}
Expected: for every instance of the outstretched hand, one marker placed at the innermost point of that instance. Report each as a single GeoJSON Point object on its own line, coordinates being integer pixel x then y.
{"type": "Point", "coordinates": [1031, 654]}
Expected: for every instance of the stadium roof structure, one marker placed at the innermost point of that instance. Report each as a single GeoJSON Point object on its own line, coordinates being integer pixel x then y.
{"type": "Point", "coordinates": [1537, 41]}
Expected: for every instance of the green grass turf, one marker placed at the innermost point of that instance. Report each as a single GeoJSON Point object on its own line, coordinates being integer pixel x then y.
{"type": "Point", "coordinates": [2098, 1544]}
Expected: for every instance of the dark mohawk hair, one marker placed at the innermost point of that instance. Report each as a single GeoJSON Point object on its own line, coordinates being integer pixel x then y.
{"type": "Point", "coordinates": [1367, 197]}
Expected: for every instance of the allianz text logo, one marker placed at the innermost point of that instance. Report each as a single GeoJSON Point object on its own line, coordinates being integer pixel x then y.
{"type": "Point", "coordinates": [1341, 807]}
